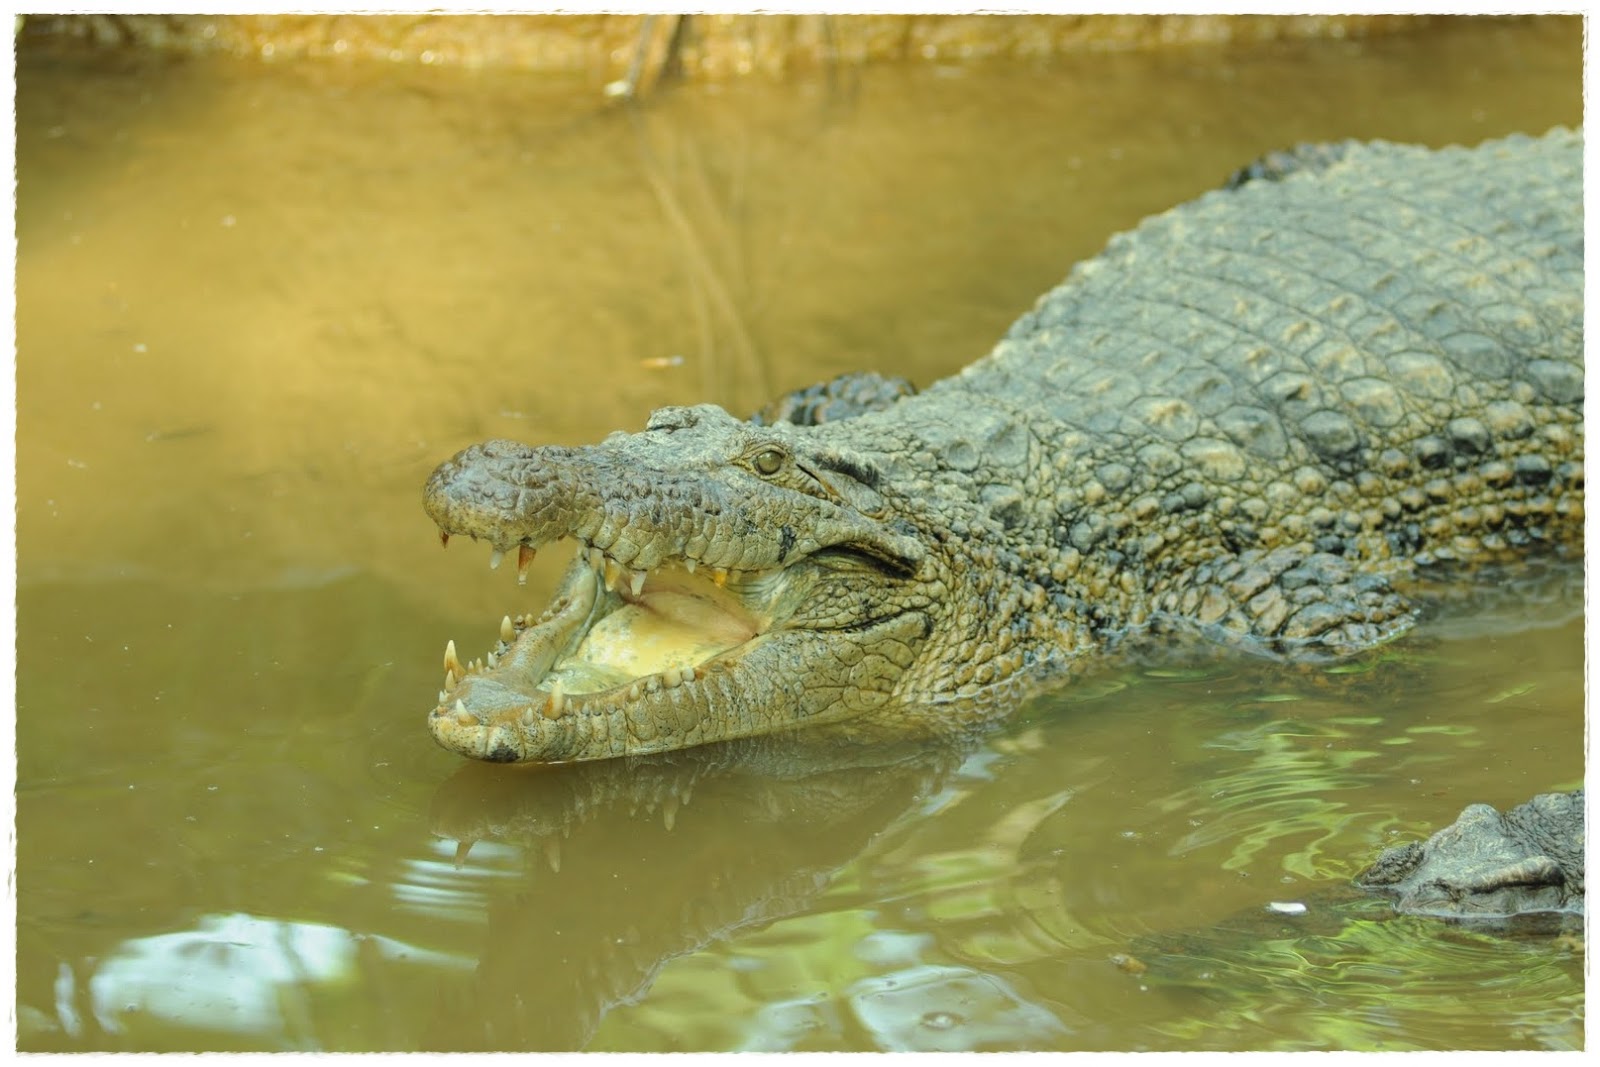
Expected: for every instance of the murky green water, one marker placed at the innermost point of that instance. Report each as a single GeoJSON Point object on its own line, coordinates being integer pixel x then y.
{"type": "Point", "coordinates": [256, 305]}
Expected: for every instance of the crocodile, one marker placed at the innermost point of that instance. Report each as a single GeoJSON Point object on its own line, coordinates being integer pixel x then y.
{"type": "Point", "coordinates": [1260, 418]}
{"type": "Point", "coordinates": [1488, 865]}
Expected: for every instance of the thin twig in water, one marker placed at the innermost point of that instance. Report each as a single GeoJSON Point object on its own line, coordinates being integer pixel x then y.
{"type": "Point", "coordinates": [702, 269]}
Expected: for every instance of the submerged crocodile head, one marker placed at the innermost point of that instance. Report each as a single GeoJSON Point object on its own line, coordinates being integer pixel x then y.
{"type": "Point", "coordinates": [731, 580]}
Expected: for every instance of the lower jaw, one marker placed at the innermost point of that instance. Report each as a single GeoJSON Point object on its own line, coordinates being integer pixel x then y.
{"type": "Point", "coordinates": [585, 726]}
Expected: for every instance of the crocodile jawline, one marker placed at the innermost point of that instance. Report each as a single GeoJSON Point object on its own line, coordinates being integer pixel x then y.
{"type": "Point", "coordinates": [609, 641]}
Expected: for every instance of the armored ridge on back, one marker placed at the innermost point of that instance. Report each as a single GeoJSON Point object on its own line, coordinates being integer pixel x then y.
{"type": "Point", "coordinates": [1251, 415]}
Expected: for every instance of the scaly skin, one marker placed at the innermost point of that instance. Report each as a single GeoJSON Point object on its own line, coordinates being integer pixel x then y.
{"type": "Point", "coordinates": [1486, 865]}
{"type": "Point", "coordinates": [1250, 417]}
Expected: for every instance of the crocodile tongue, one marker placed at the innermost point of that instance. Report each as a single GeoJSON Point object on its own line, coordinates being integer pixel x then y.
{"type": "Point", "coordinates": [675, 622]}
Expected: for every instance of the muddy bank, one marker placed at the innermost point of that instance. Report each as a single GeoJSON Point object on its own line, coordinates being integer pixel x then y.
{"type": "Point", "coordinates": [698, 47]}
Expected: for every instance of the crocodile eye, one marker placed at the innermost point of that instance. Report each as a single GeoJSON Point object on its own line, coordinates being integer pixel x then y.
{"type": "Point", "coordinates": [768, 461]}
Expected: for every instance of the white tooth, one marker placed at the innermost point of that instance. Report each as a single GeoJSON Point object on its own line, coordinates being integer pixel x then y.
{"type": "Point", "coordinates": [527, 715]}
{"type": "Point", "coordinates": [552, 854]}
{"type": "Point", "coordinates": [524, 558]}
{"type": "Point", "coordinates": [494, 559]}
{"type": "Point", "coordinates": [634, 691]}
{"type": "Point", "coordinates": [451, 661]}
{"type": "Point", "coordinates": [686, 674]}
{"type": "Point", "coordinates": [669, 812]}
{"type": "Point", "coordinates": [636, 582]}
{"type": "Point", "coordinates": [558, 700]}
{"type": "Point", "coordinates": [463, 716]}
{"type": "Point", "coordinates": [670, 679]}
{"type": "Point", "coordinates": [613, 574]}
{"type": "Point", "coordinates": [689, 564]}
{"type": "Point", "coordinates": [494, 661]}
{"type": "Point", "coordinates": [507, 633]}
{"type": "Point", "coordinates": [451, 679]}
{"type": "Point", "coordinates": [443, 696]}
{"type": "Point", "coordinates": [597, 561]}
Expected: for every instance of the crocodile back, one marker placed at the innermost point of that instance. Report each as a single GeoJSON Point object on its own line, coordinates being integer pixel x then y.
{"type": "Point", "coordinates": [1346, 310]}
{"type": "Point", "coordinates": [1256, 410]}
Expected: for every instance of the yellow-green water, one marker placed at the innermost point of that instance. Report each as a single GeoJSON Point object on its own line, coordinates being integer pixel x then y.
{"type": "Point", "coordinates": [257, 304]}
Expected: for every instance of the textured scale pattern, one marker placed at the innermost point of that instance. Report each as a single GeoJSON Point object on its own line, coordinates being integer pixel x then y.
{"type": "Point", "coordinates": [1255, 410]}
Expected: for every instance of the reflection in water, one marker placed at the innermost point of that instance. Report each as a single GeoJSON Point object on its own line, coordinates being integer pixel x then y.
{"type": "Point", "coordinates": [632, 862]}
{"type": "Point", "coordinates": [1250, 978]}
{"type": "Point", "coordinates": [252, 979]}
{"type": "Point", "coordinates": [949, 1009]}
{"type": "Point", "coordinates": [788, 896]}
{"type": "Point", "coordinates": [258, 302]}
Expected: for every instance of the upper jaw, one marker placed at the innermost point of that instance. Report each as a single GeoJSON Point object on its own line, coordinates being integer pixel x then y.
{"type": "Point", "coordinates": [630, 519]}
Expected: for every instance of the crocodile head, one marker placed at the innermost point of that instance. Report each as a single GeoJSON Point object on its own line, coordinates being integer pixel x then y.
{"type": "Point", "coordinates": [719, 590]}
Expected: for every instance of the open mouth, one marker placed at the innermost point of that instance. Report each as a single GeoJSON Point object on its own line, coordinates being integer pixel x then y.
{"type": "Point", "coordinates": [612, 636]}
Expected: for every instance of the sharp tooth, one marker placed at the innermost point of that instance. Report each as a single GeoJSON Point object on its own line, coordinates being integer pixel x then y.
{"type": "Point", "coordinates": [558, 700]}
{"type": "Point", "coordinates": [451, 662]}
{"type": "Point", "coordinates": [450, 680]}
{"type": "Point", "coordinates": [597, 561]}
{"type": "Point", "coordinates": [494, 661]}
{"type": "Point", "coordinates": [686, 674]}
{"type": "Point", "coordinates": [636, 582]}
{"type": "Point", "coordinates": [552, 853]}
{"type": "Point", "coordinates": [508, 633]}
{"type": "Point", "coordinates": [463, 716]}
{"type": "Point", "coordinates": [669, 812]}
{"type": "Point", "coordinates": [670, 678]}
{"type": "Point", "coordinates": [527, 715]}
{"type": "Point", "coordinates": [462, 848]}
{"type": "Point", "coordinates": [495, 557]}
{"type": "Point", "coordinates": [443, 696]}
{"type": "Point", "coordinates": [524, 558]}
{"type": "Point", "coordinates": [634, 691]}
{"type": "Point", "coordinates": [689, 564]}
{"type": "Point", "coordinates": [613, 573]}
{"type": "Point", "coordinates": [719, 575]}
{"type": "Point", "coordinates": [444, 539]}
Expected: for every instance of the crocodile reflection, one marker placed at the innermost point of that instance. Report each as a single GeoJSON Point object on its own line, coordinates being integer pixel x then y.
{"type": "Point", "coordinates": [627, 864]}
{"type": "Point", "coordinates": [630, 863]}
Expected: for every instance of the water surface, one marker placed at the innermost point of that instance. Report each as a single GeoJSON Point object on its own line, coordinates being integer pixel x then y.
{"type": "Point", "coordinates": [257, 304]}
